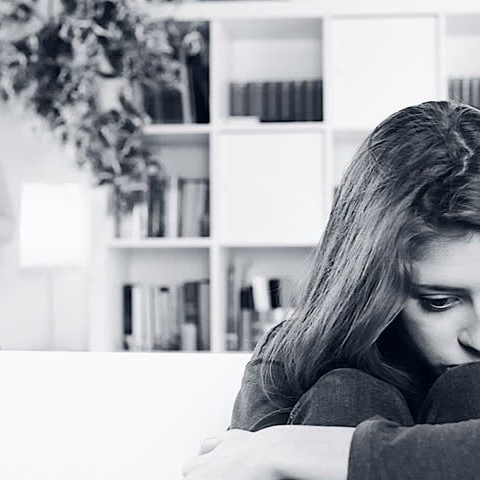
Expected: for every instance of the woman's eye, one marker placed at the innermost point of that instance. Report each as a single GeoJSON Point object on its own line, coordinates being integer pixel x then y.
{"type": "Point", "coordinates": [437, 304]}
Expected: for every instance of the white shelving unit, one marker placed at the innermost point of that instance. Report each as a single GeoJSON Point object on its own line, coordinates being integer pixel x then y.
{"type": "Point", "coordinates": [271, 184]}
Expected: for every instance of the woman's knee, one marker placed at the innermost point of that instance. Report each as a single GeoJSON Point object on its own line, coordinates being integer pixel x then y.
{"type": "Point", "coordinates": [346, 397]}
{"type": "Point", "coordinates": [454, 397]}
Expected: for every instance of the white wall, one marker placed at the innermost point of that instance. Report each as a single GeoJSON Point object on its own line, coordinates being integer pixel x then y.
{"type": "Point", "coordinates": [29, 155]}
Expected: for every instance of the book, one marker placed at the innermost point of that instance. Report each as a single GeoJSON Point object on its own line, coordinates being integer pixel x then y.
{"type": "Point", "coordinates": [285, 107]}
{"type": "Point", "coordinates": [255, 99]}
{"type": "Point", "coordinates": [235, 274]}
{"type": "Point", "coordinates": [138, 317]}
{"type": "Point", "coordinates": [139, 218]}
{"type": "Point", "coordinates": [171, 207]}
{"type": "Point", "coordinates": [274, 291]}
{"type": "Point", "coordinates": [148, 317]}
{"type": "Point", "coordinates": [187, 194]}
{"type": "Point", "coordinates": [160, 320]}
{"type": "Point", "coordinates": [465, 90]}
{"type": "Point", "coordinates": [318, 100]}
{"type": "Point", "coordinates": [205, 214]}
{"type": "Point", "coordinates": [127, 316]}
{"type": "Point", "coordinates": [261, 293]}
{"type": "Point", "coordinates": [299, 101]}
{"type": "Point", "coordinates": [247, 331]}
{"type": "Point", "coordinates": [155, 202]}
{"type": "Point", "coordinates": [455, 89]}
{"type": "Point", "coordinates": [204, 316]}
{"type": "Point", "coordinates": [235, 99]}
{"type": "Point", "coordinates": [191, 304]}
{"type": "Point", "coordinates": [309, 101]}
{"type": "Point", "coordinates": [475, 92]}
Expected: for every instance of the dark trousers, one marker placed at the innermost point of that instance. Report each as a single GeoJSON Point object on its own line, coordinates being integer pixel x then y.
{"type": "Point", "coordinates": [346, 397]}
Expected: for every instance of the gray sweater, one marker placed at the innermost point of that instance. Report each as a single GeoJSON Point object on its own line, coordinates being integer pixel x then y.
{"type": "Point", "coordinates": [380, 449]}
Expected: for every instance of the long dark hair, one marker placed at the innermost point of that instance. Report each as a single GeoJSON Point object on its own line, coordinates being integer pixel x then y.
{"type": "Point", "coordinates": [415, 177]}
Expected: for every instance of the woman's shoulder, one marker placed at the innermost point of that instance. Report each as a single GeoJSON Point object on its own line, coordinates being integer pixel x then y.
{"type": "Point", "coordinates": [258, 356]}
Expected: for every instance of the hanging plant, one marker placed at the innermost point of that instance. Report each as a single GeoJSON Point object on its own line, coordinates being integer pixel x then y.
{"type": "Point", "coordinates": [59, 63]}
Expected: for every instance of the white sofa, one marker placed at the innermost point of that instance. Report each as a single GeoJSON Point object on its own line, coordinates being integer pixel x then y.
{"type": "Point", "coordinates": [72, 415]}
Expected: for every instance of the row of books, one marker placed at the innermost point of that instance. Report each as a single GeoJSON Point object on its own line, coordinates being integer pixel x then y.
{"type": "Point", "coordinates": [167, 317]}
{"type": "Point", "coordinates": [280, 101]}
{"type": "Point", "coordinates": [465, 90]}
{"type": "Point", "coordinates": [254, 307]}
{"type": "Point", "coordinates": [172, 206]}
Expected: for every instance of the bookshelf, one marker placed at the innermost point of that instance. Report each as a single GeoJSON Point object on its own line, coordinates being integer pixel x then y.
{"type": "Point", "coordinates": [271, 183]}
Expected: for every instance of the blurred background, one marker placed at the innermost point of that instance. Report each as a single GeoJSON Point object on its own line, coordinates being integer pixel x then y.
{"type": "Point", "coordinates": [167, 168]}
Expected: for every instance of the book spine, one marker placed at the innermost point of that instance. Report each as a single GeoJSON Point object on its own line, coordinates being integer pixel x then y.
{"type": "Point", "coordinates": [158, 326]}
{"type": "Point", "coordinates": [181, 202]}
{"type": "Point", "coordinates": [255, 99]}
{"type": "Point", "coordinates": [156, 202]}
{"type": "Point", "coordinates": [127, 316]}
{"type": "Point", "coordinates": [235, 99]}
{"type": "Point", "coordinates": [285, 114]}
{"type": "Point", "coordinates": [140, 218]}
{"type": "Point", "coordinates": [299, 101]}
{"type": "Point", "coordinates": [150, 313]}
{"type": "Point", "coordinates": [232, 329]}
{"type": "Point", "coordinates": [191, 315]}
{"type": "Point", "coordinates": [309, 101]}
{"type": "Point", "coordinates": [189, 193]}
{"type": "Point", "coordinates": [261, 293]}
{"type": "Point", "coordinates": [246, 320]}
{"type": "Point", "coordinates": [465, 93]}
{"type": "Point", "coordinates": [475, 92]}
{"type": "Point", "coordinates": [204, 317]}
{"type": "Point", "coordinates": [199, 207]}
{"type": "Point", "coordinates": [205, 215]}
{"type": "Point", "coordinates": [274, 292]}
{"type": "Point", "coordinates": [171, 206]}
{"type": "Point", "coordinates": [138, 317]}
{"type": "Point", "coordinates": [456, 89]}
{"type": "Point", "coordinates": [318, 100]}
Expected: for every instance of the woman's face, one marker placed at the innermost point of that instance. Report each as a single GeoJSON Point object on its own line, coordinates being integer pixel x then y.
{"type": "Point", "coordinates": [442, 316]}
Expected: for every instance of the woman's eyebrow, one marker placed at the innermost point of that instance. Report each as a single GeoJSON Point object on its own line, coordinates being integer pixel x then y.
{"type": "Point", "coordinates": [439, 288]}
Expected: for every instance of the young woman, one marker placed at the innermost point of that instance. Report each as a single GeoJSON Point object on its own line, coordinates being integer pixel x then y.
{"type": "Point", "coordinates": [375, 375]}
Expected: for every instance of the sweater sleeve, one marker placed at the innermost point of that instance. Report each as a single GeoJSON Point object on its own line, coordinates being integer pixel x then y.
{"type": "Point", "coordinates": [383, 450]}
{"type": "Point", "coordinates": [253, 409]}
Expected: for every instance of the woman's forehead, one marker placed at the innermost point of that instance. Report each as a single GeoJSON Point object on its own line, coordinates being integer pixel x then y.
{"type": "Point", "coordinates": [452, 262]}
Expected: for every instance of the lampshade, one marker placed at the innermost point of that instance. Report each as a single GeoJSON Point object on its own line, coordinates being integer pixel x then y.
{"type": "Point", "coordinates": [53, 225]}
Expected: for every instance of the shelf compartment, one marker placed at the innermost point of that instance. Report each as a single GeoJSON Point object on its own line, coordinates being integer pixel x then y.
{"type": "Point", "coordinates": [260, 290]}
{"type": "Point", "coordinates": [248, 50]}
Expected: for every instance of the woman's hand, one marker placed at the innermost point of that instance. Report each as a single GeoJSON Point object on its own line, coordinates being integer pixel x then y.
{"type": "Point", "coordinates": [283, 451]}
{"type": "Point", "coordinates": [233, 455]}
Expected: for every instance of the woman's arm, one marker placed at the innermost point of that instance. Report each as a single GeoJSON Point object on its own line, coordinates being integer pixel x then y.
{"type": "Point", "coordinates": [382, 449]}
{"type": "Point", "coordinates": [377, 449]}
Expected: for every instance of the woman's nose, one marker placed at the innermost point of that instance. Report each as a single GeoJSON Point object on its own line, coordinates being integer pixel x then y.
{"type": "Point", "coordinates": [470, 336]}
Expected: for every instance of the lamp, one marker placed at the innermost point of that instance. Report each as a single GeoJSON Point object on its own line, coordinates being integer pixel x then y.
{"type": "Point", "coordinates": [53, 232]}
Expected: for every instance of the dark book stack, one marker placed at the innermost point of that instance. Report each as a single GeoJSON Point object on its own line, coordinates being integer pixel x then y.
{"type": "Point", "coordinates": [253, 309]}
{"type": "Point", "coordinates": [172, 206]}
{"type": "Point", "coordinates": [286, 101]}
{"type": "Point", "coordinates": [166, 317]}
{"type": "Point", "coordinates": [465, 90]}
{"type": "Point", "coordinates": [163, 104]}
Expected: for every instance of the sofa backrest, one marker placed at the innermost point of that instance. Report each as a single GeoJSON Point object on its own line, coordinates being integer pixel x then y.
{"type": "Point", "coordinates": [111, 415]}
